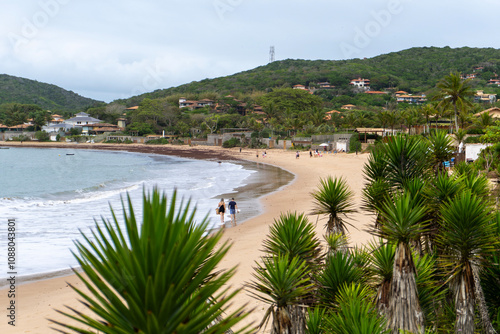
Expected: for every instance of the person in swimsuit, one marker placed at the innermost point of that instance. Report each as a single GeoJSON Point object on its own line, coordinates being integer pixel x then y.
{"type": "Point", "coordinates": [222, 209]}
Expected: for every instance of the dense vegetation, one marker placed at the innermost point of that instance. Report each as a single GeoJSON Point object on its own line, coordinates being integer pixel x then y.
{"type": "Point", "coordinates": [415, 70]}
{"type": "Point", "coordinates": [47, 96]}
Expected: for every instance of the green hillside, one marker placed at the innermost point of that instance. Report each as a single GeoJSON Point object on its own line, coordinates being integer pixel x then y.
{"type": "Point", "coordinates": [414, 70]}
{"type": "Point", "coordinates": [47, 96]}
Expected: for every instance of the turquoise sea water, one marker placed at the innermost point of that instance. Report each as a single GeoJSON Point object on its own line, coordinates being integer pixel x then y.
{"type": "Point", "coordinates": [53, 194]}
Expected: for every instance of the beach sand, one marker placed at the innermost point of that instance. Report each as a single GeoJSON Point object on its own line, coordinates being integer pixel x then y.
{"type": "Point", "coordinates": [36, 302]}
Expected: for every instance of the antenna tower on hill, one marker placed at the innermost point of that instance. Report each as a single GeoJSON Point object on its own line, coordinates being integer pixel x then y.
{"type": "Point", "coordinates": [271, 54]}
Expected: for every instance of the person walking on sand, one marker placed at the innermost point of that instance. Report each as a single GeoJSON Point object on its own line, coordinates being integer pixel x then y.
{"type": "Point", "coordinates": [232, 211]}
{"type": "Point", "coordinates": [222, 208]}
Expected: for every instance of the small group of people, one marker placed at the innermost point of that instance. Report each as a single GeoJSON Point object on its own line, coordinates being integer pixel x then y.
{"type": "Point", "coordinates": [221, 209]}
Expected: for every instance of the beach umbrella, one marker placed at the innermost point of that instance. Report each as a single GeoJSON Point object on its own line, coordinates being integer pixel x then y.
{"type": "Point", "coordinates": [324, 144]}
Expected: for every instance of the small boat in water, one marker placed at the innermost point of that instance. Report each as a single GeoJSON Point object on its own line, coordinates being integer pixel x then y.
{"type": "Point", "coordinates": [70, 153]}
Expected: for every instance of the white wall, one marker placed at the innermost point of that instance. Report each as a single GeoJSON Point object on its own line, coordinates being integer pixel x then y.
{"type": "Point", "coordinates": [472, 150]}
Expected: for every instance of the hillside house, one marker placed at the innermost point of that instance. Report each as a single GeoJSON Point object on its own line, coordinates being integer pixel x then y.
{"type": "Point", "coordinates": [348, 107]}
{"type": "Point", "coordinates": [329, 114]}
{"type": "Point", "coordinates": [494, 82]}
{"type": "Point", "coordinates": [468, 76]}
{"type": "Point", "coordinates": [300, 87]}
{"type": "Point", "coordinates": [325, 85]}
{"type": "Point", "coordinates": [484, 97]}
{"type": "Point", "coordinates": [361, 83]}
{"type": "Point", "coordinates": [403, 97]}
{"type": "Point", "coordinates": [195, 104]}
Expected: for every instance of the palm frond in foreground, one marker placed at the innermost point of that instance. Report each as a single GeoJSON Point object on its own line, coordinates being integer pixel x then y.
{"type": "Point", "coordinates": [154, 277]}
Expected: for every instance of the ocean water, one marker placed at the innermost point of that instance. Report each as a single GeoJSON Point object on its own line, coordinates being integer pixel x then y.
{"type": "Point", "coordinates": [53, 194]}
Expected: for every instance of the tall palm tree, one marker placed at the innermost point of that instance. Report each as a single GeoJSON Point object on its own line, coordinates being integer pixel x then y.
{"type": "Point", "coordinates": [467, 239]}
{"type": "Point", "coordinates": [156, 277]}
{"type": "Point", "coordinates": [402, 224]}
{"type": "Point", "coordinates": [335, 199]}
{"type": "Point", "coordinates": [454, 91]}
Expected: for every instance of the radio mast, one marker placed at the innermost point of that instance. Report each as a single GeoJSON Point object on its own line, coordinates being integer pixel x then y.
{"type": "Point", "coordinates": [271, 54]}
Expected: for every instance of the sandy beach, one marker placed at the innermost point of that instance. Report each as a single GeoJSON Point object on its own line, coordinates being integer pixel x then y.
{"type": "Point", "coordinates": [36, 302]}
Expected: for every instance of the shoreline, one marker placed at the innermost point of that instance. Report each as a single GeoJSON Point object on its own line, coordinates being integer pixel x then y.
{"type": "Point", "coordinates": [263, 180]}
{"type": "Point", "coordinates": [38, 300]}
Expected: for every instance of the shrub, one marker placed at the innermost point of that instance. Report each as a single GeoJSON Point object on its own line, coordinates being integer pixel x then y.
{"type": "Point", "coordinates": [20, 138]}
{"type": "Point", "coordinates": [158, 141]}
{"type": "Point", "coordinates": [233, 142]}
{"type": "Point", "coordinates": [354, 144]}
{"type": "Point", "coordinates": [42, 136]}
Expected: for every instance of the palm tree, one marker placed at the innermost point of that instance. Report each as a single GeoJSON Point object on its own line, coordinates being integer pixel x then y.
{"type": "Point", "coordinates": [467, 239]}
{"type": "Point", "coordinates": [454, 91]}
{"type": "Point", "coordinates": [156, 277]}
{"type": "Point", "coordinates": [335, 199]}
{"type": "Point", "coordinates": [428, 110]}
{"type": "Point", "coordinates": [402, 224]}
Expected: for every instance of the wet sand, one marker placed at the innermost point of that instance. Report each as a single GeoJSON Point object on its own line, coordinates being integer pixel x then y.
{"type": "Point", "coordinates": [36, 301]}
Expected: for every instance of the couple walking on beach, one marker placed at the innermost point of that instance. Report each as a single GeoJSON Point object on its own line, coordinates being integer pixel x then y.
{"type": "Point", "coordinates": [221, 209]}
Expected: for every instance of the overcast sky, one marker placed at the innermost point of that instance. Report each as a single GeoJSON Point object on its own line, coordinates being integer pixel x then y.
{"type": "Point", "coordinates": [114, 49]}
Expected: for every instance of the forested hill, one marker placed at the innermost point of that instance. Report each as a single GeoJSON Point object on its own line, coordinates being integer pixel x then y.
{"type": "Point", "coordinates": [47, 96]}
{"type": "Point", "coordinates": [414, 70]}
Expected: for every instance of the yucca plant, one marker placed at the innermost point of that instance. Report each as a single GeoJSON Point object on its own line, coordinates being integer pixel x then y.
{"type": "Point", "coordinates": [355, 313]}
{"type": "Point", "coordinates": [464, 168]}
{"type": "Point", "coordinates": [441, 189]}
{"type": "Point", "coordinates": [293, 235]}
{"type": "Point", "coordinates": [335, 199]}
{"type": "Point", "coordinates": [441, 150]}
{"type": "Point", "coordinates": [282, 283]}
{"type": "Point", "coordinates": [406, 158]}
{"type": "Point", "coordinates": [154, 276]}
{"type": "Point", "coordinates": [373, 195]}
{"type": "Point", "coordinates": [431, 291]}
{"type": "Point", "coordinates": [468, 237]}
{"type": "Point", "coordinates": [340, 268]}
{"type": "Point", "coordinates": [477, 184]}
{"type": "Point", "coordinates": [336, 243]}
{"type": "Point", "coordinates": [314, 322]}
{"type": "Point", "coordinates": [402, 224]}
{"type": "Point", "coordinates": [380, 268]}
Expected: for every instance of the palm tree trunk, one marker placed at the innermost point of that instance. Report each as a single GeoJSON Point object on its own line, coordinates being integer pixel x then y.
{"type": "Point", "coordinates": [456, 117]}
{"type": "Point", "coordinates": [481, 303]}
{"type": "Point", "coordinates": [404, 308]}
{"type": "Point", "coordinates": [464, 306]}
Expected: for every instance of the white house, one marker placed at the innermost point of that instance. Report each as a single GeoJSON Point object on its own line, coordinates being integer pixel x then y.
{"type": "Point", "coordinates": [82, 119]}
{"type": "Point", "coordinates": [361, 83]}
